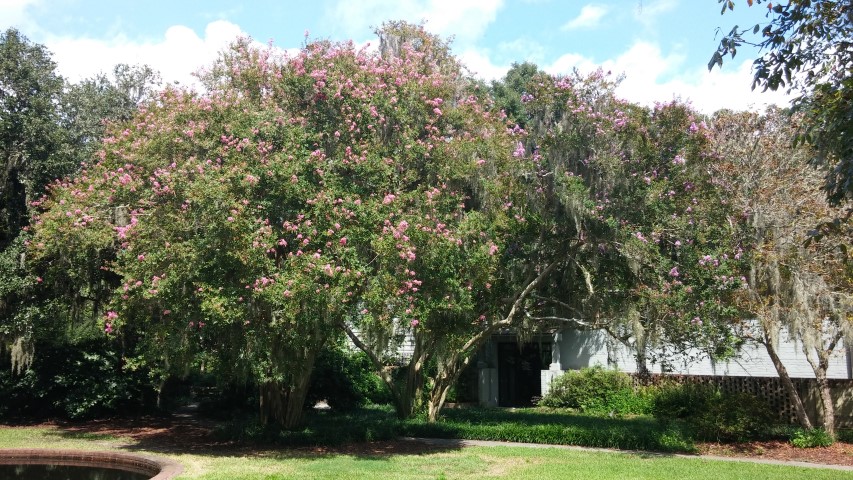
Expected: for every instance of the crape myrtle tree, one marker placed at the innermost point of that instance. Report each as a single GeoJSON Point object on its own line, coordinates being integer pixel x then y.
{"type": "Point", "coordinates": [626, 205]}
{"type": "Point", "coordinates": [799, 275]}
{"type": "Point", "coordinates": [436, 257]}
{"type": "Point", "coordinates": [247, 225]}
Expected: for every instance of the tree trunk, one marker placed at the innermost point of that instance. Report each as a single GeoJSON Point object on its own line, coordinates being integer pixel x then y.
{"type": "Point", "coordinates": [820, 366]}
{"type": "Point", "coordinates": [793, 394]}
{"type": "Point", "coordinates": [285, 405]}
{"type": "Point", "coordinates": [270, 402]}
{"type": "Point", "coordinates": [448, 374]}
{"type": "Point", "coordinates": [408, 391]}
{"type": "Point", "coordinates": [828, 404]}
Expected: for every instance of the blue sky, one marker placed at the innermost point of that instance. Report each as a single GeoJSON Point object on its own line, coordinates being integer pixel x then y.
{"type": "Point", "coordinates": [662, 46]}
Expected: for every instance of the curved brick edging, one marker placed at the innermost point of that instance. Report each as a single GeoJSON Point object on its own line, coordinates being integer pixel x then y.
{"type": "Point", "coordinates": [159, 468]}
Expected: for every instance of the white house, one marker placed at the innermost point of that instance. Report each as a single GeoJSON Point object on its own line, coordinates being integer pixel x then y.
{"type": "Point", "coordinates": [510, 374]}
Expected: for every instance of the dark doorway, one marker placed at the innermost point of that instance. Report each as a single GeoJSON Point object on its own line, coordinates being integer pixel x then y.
{"type": "Point", "coordinates": [519, 372]}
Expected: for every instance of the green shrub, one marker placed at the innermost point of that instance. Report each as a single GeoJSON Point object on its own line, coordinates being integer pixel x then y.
{"type": "Point", "coordinates": [845, 435]}
{"type": "Point", "coordinates": [711, 414]}
{"type": "Point", "coordinates": [596, 390]}
{"type": "Point", "coordinates": [674, 401]}
{"type": "Point", "coordinates": [816, 437]}
{"type": "Point", "coordinates": [553, 427]}
{"type": "Point", "coordinates": [85, 379]}
{"type": "Point", "coordinates": [346, 380]}
{"type": "Point", "coordinates": [736, 417]}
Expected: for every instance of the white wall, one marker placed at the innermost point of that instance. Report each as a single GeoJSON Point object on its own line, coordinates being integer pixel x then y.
{"type": "Point", "coordinates": [588, 348]}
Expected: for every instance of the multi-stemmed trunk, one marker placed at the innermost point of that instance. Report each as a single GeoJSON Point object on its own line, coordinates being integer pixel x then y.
{"type": "Point", "coordinates": [451, 359]}
{"type": "Point", "coordinates": [285, 404]}
{"type": "Point", "coordinates": [820, 366]}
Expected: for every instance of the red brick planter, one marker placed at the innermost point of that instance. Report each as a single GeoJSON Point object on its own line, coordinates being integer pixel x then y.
{"type": "Point", "coordinates": [158, 468]}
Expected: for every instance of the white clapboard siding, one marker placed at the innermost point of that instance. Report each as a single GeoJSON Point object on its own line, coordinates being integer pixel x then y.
{"type": "Point", "coordinates": [580, 349]}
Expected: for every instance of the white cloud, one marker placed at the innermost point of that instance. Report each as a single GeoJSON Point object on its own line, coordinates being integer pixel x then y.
{"type": "Point", "coordinates": [653, 8]}
{"type": "Point", "coordinates": [648, 11]}
{"type": "Point", "coordinates": [521, 50]}
{"type": "Point", "coordinates": [567, 62]}
{"type": "Point", "coordinates": [176, 55]}
{"type": "Point", "coordinates": [651, 76]}
{"type": "Point", "coordinates": [14, 13]}
{"type": "Point", "coordinates": [480, 65]}
{"type": "Point", "coordinates": [466, 20]}
{"type": "Point", "coordinates": [589, 17]}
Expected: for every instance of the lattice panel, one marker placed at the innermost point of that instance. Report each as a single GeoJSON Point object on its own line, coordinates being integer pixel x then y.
{"type": "Point", "coordinates": [769, 389]}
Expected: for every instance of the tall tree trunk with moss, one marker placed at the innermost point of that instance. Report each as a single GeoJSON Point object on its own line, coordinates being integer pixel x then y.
{"type": "Point", "coordinates": [788, 385]}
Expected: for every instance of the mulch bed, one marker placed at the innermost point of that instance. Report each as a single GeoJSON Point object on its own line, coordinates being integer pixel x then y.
{"type": "Point", "coordinates": [839, 453]}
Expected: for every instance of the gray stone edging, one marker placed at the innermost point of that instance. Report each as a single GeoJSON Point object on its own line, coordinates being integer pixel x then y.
{"type": "Point", "coordinates": [160, 468]}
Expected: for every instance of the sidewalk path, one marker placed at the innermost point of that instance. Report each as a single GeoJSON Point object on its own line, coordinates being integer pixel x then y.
{"type": "Point", "coordinates": [490, 443]}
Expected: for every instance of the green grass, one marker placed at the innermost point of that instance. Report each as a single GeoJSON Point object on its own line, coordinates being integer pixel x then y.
{"type": "Point", "coordinates": [451, 463]}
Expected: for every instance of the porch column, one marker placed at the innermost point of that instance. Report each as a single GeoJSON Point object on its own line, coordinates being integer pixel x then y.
{"type": "Point", "coordinates": [555, 353]}
{"type": "Point", "coordinates": [555, 368]}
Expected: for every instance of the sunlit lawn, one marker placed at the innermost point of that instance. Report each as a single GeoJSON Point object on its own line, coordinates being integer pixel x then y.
{"type": "Point", "coordinates": [450, 463]}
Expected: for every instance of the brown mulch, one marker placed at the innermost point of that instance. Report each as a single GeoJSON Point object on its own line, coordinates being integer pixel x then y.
{"type": "Point", "coordinates": [189, 434]}
{"type": "Point", "coordinates": [839, 453]}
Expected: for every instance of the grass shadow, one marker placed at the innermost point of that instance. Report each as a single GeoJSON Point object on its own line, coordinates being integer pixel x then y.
{"type": "Point", "coordinates": [370, 434]}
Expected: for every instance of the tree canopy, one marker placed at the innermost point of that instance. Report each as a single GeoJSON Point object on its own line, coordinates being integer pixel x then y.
{"type": "Point", "coordinates": [808, 48]}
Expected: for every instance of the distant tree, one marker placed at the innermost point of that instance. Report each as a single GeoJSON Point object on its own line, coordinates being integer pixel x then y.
{"type": "Point", "coordinates": [87, 106]}
{"type": "Point", "coordinates": [47, 129]}
{"type": "Point", "coordinates": [31, 140]}
{"type": "Point", "coordinates": [509, 90]}
{"type": "Point", "coordinates": [808, 48]}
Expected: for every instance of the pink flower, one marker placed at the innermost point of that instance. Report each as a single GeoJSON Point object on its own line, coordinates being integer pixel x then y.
{"type": "Point", "coordinates": [674, 272]}
{"type": "Point", "coordinates": [140, 257]}
{"type": "Point", "coordinates": [108, 328]}
{"type": "Point", "coordinates": [112, 315]}
{"type": "Point", "coordinates": [343, 241]}
{"type": "Point", "coordinates": [519, 150]}
{"type": "Point", "coordinates": [415, 322]}
{"type": "Point", "coordinates": [166, 312]}
{"type": "Point", "coordinates": [38, 279]}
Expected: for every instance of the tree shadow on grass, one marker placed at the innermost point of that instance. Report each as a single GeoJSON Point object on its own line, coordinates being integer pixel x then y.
{"type": "Point", "coordinates": [326, 435]}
